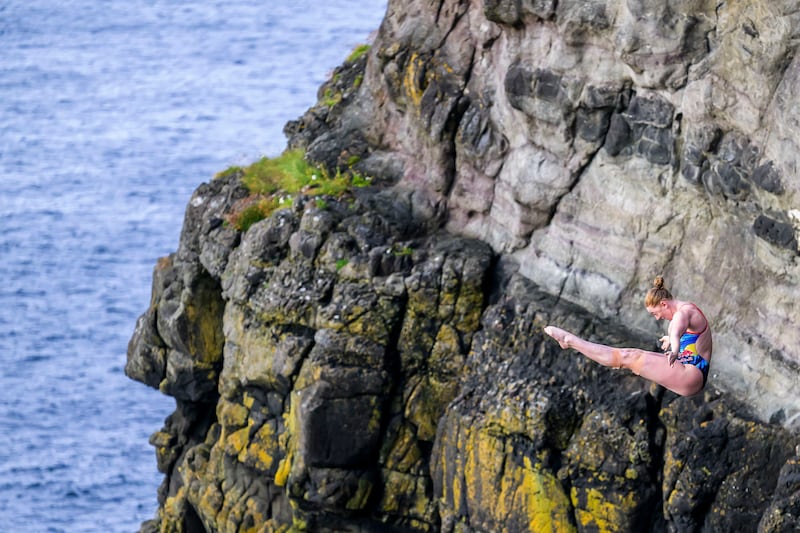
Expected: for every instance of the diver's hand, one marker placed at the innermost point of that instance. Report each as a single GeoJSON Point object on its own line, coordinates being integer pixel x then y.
{"type": "Point", "coordinates": [664, 342]}
{"type": "Point", "coordinates": [671, 357]}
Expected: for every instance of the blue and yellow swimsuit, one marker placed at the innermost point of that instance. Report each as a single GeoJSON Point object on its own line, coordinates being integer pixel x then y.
{"type": "Point", "coordinates": [690, 356]}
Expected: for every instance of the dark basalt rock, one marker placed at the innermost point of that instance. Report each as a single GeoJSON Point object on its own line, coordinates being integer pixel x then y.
{"type": "Point", "coordinates": [413, 387]}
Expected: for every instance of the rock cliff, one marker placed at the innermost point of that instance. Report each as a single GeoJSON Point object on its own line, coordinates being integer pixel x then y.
{"type": "Point", "coordinates": [376, 362]}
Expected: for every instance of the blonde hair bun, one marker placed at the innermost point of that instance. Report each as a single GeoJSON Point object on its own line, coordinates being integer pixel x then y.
{"type": "Point", "coordinates": [657, 293]}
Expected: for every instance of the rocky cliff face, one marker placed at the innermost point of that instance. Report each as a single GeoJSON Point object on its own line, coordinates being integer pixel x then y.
{"type": "Point", "coordinates": [377, 363]}
{"type": "Point", "coordinates": [599, 144]}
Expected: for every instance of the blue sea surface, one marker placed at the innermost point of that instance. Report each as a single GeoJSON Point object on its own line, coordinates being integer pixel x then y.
{"type": "Point", "coordinates": [111, 113]}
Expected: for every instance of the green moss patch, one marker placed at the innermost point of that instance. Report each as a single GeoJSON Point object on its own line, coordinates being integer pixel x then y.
{"type": "Point", "coordinates": [275, 182]}
{"type": "Point", "coordinates": [357, 52]}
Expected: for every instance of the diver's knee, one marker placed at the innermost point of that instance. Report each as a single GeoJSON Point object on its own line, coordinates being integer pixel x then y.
{"type": "Point", "coordinates": [633, 360]}
{"type": "Point", "coordinates": [616, 361]}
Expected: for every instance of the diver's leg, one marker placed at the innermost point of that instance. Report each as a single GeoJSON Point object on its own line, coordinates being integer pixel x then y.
{"type": "Point", "coordinates": [605, 355]}
{"type": "Point", "coordinates": [681, 379]}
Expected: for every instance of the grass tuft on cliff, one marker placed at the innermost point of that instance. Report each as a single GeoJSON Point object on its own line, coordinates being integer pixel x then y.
{"type": "Point", "coordinates": [357, 52]}
{"type": "Point", "coordinates": [274, 182]}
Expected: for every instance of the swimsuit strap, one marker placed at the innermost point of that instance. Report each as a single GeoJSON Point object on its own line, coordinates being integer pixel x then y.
{"type": "Point", "coordinates": [701, 314]}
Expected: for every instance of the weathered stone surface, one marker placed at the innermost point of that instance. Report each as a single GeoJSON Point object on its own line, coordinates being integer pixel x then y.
{"type": "Point", "coordinates": [379, 364]}
{"type": "Point", "coordinates": [413, 389]}
{"type": "Point", "coordinates": [784, 512]}
{"type": "Point", "coordinates": [694, 102]}
{"type": "Point", "coordinates": [699, 441]}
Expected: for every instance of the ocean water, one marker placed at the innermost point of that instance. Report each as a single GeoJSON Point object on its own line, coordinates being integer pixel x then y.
{"type": "Point", "coordinates": [111, 113]}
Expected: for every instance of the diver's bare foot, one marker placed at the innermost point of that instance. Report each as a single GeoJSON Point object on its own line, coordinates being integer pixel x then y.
{"type": "Point", "coordinates": [563, 337]}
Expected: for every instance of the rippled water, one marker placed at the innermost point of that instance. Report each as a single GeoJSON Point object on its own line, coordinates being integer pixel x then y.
{"type": "Point", "coordinates": [112, 112]}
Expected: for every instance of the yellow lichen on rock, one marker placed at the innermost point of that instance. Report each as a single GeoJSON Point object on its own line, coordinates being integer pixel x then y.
{"type": "Point", "coordinates": [360, 498]}
{"type": "Point", "coordinates": [612, 494]}
{"type": "Point", "coordinates": [284, 467]}
{"type": "Point", "coordinates": [171, 513]}
{"type": "Point", "coordinates": [599, 511]}
{"type": "Point", "coordinates": [231, 414]}
{"type": "Point", "coordinates": [237, 441]}
{"type": "Point", "coordinates": [203, 316]}
{"type": "Point", "coordinates": [467, 309]}
{"type": "Point", "coordinates": [503, 487]}
{"type": "Point", "coordinates": [414, 79]}
{"type": "Point", "coordinates": [446, 355]}
{"type": "Point", "coordinates": [261, 451]}
{"type": "Point", "coordinates": [427, 402]}
{"type": "Point", "coordinates": [247, 400]}
{"type": "Point", "coordinates": [404, 453]}
{"type": "Point", "coordinates": [407, 493]}
{"type": "Point", "coordinates": [210, 501]}
{"type": "Point", "coordinates": [537, 493]}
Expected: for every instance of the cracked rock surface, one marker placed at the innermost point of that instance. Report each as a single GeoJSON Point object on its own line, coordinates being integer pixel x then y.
{"type": "Point", "coordinates": [350, 369]}
{"type": "Point", "coordinates": [601, 144]}
{"type": "Point", "coordinates": [377, 363]}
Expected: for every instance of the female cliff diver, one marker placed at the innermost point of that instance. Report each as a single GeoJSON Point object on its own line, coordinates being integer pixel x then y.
{"type": "Point", "coordinates": [688, 340]}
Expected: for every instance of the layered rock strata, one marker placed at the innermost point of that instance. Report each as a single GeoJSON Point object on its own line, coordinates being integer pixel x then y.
{"type": "Point", "coordinates": [339, 367]}
{"type": "Point", "coordinates": [600, 144]}
{"type": "Point", "coordinates": [377, 362]}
